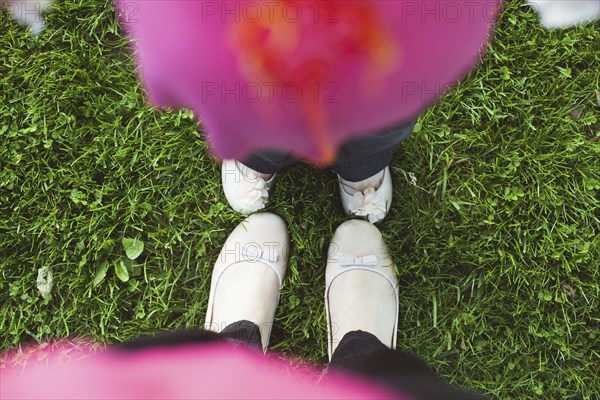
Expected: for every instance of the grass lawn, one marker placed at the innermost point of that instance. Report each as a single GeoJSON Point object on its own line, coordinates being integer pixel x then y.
{"type": "Point", "coordinates": [497, 245]}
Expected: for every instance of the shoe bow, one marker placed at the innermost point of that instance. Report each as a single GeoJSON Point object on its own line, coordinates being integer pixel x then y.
{"type": "Point", "coordinates": [255, 253]}
{"type": "Point", "coordinates": [369, 203]}
{"type": "Point", "coordinates": [366, 261]}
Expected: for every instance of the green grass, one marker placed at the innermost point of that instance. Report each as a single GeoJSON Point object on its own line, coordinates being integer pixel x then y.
{"type": "Point", "coordinates": [497, 247]}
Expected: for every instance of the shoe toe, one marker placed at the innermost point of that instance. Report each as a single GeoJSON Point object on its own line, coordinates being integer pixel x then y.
{"type": "Point", "coordinates": [248, 274]}
{"type": "Point", "coordinates": [359, 238]}
{"type": "Point", "coordinates": [361, 291]}
{"type": "Point", "coordinates": [260, 236]}
{"type": "Point", "coordinates": [262, 228]}
{"type": "Point", "coordinates": [245, 193]}
{"type": "Point", "coordinates": [370, 203]}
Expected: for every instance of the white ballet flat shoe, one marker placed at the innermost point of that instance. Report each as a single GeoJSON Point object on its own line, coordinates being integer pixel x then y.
{"type": "Point", "coordinates": [370, 202]}
{"type": "Point", "coordinates": [361, 286]}
{"type": "Point", "coordinates": [248, 275]}
{"type": "Point", "coordinates": [245, 189]}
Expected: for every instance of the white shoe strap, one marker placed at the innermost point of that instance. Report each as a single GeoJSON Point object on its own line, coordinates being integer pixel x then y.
{"type": "Point", "coordinates": [351, 261]}
{"type": "Point", "coordinates": [364, 263]}
{"type": "Point", "coordinates": [254, 254]}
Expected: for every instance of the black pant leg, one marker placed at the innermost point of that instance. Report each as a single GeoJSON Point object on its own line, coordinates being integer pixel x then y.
{"type": "Point", "coordinates": [363, 354]}
{"type": "Point", "coordinates": [268, 162]}
{"type": "Point", "coordinates": [357, 159]}
{"type": "Point", "coordinates": [362, 158]}
{"type": "Point", "coordinates": [243, 332]}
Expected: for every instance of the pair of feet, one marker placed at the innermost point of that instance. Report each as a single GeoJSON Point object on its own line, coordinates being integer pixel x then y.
{"type": "Point", "coordinates": [247, 191]}
{"type": "Point", "coordinates": [361, 286]}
